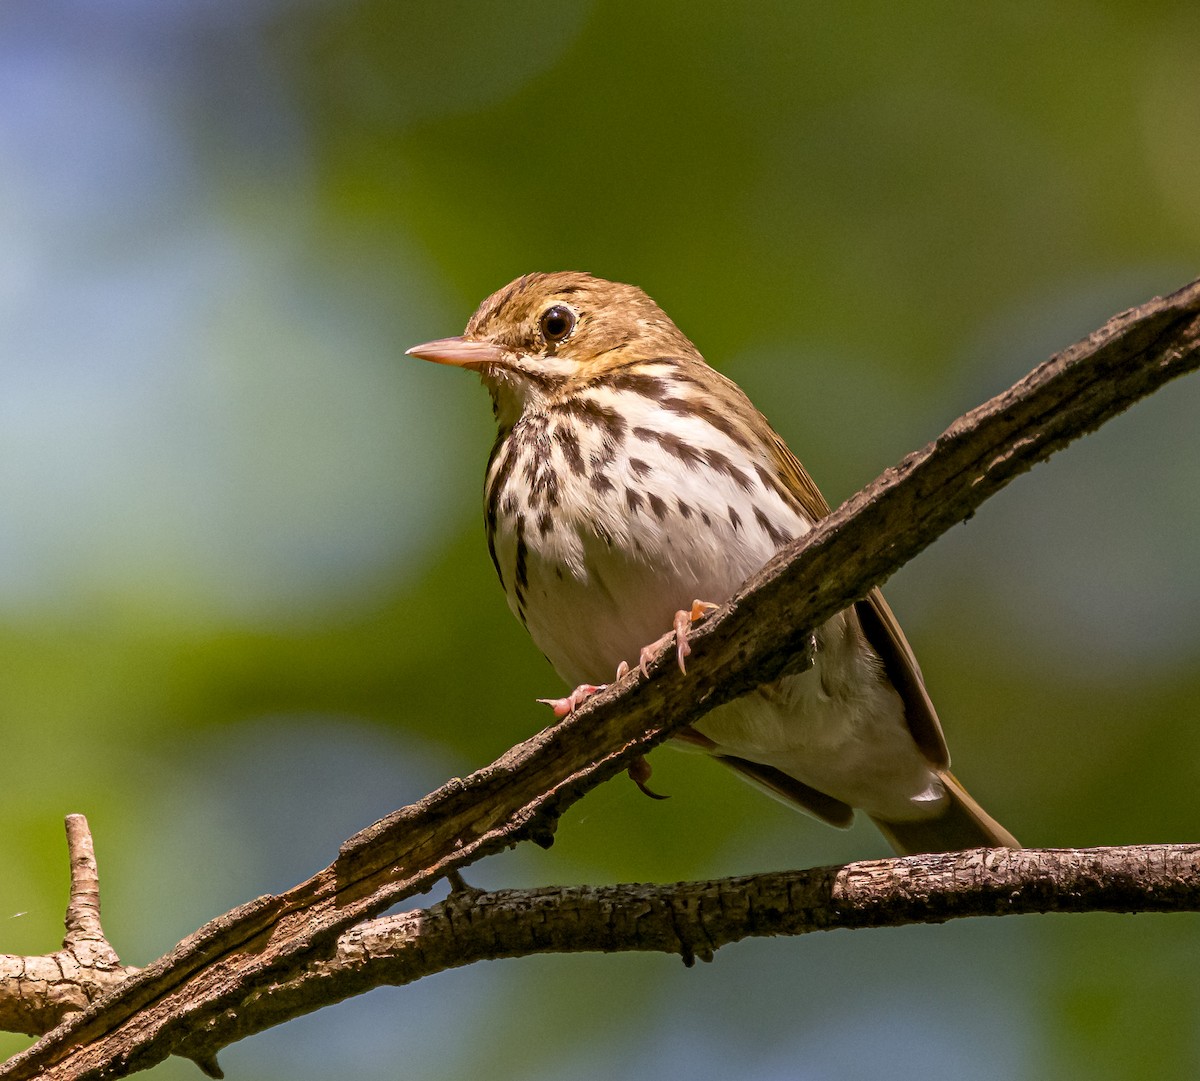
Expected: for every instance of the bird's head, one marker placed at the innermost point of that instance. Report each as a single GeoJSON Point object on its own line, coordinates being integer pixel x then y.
{"type": "Point", "coordinates": [544, 336]}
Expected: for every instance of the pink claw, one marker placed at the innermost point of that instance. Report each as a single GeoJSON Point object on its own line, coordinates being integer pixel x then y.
{"type": "Point", "coordinates": [639, 773]}
{"type": "Point", "coordinates": [684, 618]}
{"type": "Point", "coordinates": [565, 706]}
{"type": "Point", "coordinates": [647, 655]}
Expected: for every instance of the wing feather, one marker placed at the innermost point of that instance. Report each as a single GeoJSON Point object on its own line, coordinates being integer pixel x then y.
{"type": "Point", "coordinates": [878, 623]}
{"type": "Point", "coordinates": [774, 782]}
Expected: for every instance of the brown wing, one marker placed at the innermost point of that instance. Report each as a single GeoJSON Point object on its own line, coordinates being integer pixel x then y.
{"type": "Point", "coordinates": [878, 624]}
{"type": "Point", "coordinates": [799, 483]}
{"type": "Point", "coordinates": [887, 639]}
{"type": "Point", "coordinates": [775, 782]}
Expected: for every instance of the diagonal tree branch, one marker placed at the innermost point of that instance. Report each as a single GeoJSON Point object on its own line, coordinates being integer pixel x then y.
{"type": "Point", "coordinates": [753, 639]}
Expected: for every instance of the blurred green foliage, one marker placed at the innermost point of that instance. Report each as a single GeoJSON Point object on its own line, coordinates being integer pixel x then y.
{"type": "Point", "coordinates": [245, 604]}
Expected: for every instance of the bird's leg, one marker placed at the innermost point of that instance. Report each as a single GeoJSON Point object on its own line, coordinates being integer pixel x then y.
{"type": "Point", "coordinates": [684, 618]}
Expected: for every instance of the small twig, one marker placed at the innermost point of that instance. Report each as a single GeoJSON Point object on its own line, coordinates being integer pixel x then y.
{"type": "Point", "coordinates": [85, 940]}
{"type": "Point", "coordinates": [37, 993]}
{"type": "Point", "coordinates": [83, 907]}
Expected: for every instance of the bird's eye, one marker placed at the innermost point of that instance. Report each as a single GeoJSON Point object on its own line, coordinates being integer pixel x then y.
{"type": "Point", "coordinates": [557, 323]}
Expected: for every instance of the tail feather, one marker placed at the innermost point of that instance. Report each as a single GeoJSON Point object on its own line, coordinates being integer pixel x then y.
{"type": "Point", "coordinates": [963, 824]}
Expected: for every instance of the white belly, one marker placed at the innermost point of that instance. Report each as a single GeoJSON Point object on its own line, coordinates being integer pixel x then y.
{"type": "Point", "coordinates": [635, 535]}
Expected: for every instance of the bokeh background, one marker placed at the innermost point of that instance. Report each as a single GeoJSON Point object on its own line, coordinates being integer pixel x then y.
{"type": "Point", "coordinates": [245, 603]}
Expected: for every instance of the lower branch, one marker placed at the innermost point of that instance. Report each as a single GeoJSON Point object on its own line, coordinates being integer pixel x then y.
{"type": "Point", "coordinates": [694, 919]}
{"type": "Point", "coordinates": [690, 919]}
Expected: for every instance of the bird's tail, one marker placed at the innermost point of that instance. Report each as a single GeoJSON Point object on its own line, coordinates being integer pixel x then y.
{"type": "Point", "coordinates": [963, 824]}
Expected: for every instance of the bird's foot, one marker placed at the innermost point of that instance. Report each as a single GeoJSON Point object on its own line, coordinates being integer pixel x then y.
{"type": "Point", "coordinates": [684, 618]}
{"type": "Point", "coordinates": [639, 774]}
{"type": "Point", "coordinates": [563, 707]}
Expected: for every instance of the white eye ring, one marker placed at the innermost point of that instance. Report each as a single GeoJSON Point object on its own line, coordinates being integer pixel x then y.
{"type": "Point", "coordinates": [557, 324]}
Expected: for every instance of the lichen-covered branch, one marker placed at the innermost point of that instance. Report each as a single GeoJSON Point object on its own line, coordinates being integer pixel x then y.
{"type": "Point", "coordinates": [166, 1008]}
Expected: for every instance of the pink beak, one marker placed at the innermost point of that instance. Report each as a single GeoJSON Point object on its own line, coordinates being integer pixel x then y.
{"type": "Point", "coordinates": [461, 352]}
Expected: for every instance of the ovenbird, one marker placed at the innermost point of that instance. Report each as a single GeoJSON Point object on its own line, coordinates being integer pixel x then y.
{"type": "Point", "coordinates": [629, 479]}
